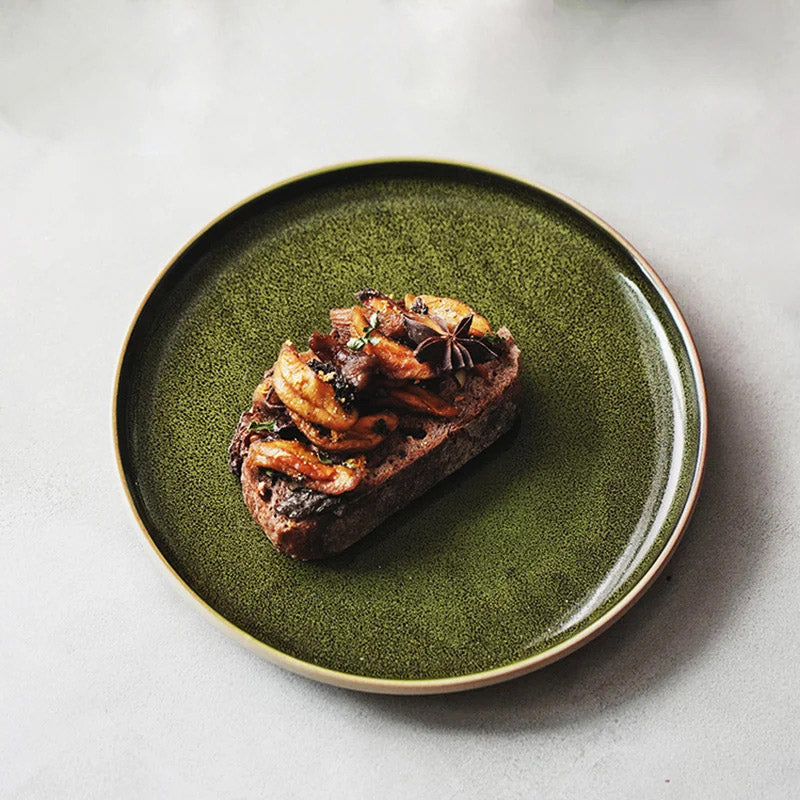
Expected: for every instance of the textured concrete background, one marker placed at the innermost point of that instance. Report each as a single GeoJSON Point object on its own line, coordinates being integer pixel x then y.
{"type": "Point", "coordinates": [125, 127]}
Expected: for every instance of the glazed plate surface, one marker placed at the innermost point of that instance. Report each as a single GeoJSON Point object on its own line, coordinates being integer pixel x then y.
{"type": "Point", "coordinates": [520, 557]}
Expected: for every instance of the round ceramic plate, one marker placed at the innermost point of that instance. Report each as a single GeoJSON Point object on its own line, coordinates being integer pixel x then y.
{"type": "Point", "coordinates": [520, 557]}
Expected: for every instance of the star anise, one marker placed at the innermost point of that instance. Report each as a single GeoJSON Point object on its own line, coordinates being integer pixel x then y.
{"type": "Point", "coordinates": [447, 349]}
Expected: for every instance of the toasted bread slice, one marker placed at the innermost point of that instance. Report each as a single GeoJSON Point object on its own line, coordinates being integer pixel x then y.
{"type": "Point", "coordinates": [421, 452]}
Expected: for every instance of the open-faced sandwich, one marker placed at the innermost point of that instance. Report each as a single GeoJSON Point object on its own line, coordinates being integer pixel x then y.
{"type": "Point", "coordinates": [397, 396]}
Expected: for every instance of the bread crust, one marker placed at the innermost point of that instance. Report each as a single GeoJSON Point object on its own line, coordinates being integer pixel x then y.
{"type": "Point", "coordinates": [400, 472]}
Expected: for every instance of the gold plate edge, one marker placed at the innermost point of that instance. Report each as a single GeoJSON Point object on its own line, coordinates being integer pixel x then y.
{"type": "Point", "coordinates": [498, 674]}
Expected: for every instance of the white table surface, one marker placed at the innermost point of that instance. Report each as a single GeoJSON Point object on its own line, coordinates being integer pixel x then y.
{"type": "Point", "coordinates": [126, 127]}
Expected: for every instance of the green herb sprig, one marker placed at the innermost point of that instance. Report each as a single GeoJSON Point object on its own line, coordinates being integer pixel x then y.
{"type": "Point", "coordinates": [360, 342]}
{"type": "Point", "coordinates": [267, 425]}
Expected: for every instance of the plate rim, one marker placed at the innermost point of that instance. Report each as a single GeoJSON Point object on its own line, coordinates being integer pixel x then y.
{"type": "Point", "coordinates": [495, 675]}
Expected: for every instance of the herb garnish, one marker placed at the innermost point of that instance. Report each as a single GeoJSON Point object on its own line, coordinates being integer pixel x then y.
{"type": "Point", "coordinates": [267, 425]}
{"type": "Point", "coordinates": [360, 342]}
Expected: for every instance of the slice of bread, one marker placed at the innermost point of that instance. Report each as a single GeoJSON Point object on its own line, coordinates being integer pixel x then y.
{"type": "Point", "coordinates": [421, 452]}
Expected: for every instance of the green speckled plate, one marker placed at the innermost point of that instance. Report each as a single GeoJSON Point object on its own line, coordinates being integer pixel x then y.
{"type": "Point", "coordinates": [519, 558]}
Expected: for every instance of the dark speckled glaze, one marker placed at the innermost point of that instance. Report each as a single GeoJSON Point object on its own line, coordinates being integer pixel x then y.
{"type": "Point", "coordinates": [523, 549]}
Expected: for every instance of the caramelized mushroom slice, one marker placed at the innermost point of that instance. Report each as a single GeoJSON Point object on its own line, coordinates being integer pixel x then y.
{"type": "Point", "coordinates": [264, 396]}
{"type": "Point", "coordinates": [415, 398]}
{"type": "Point", "coordinates": [303, 391]}
{"type": "Point", "coordinates": [262, 392]}
{"type": "Point", "coordinates": [396, 360]}
{"type": "Point", "coordinates": [365, 435]}
{"type": "Point", "coordinates": [355, 366]}
{"type": "Point", "coordinates": [340, 320]}
{"type": "Point", "coordinates": [450, 310]}
{"type": "Point", "coordinates": [390, 315]}
{"type": "Point", "coordinates": [298, 461]}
